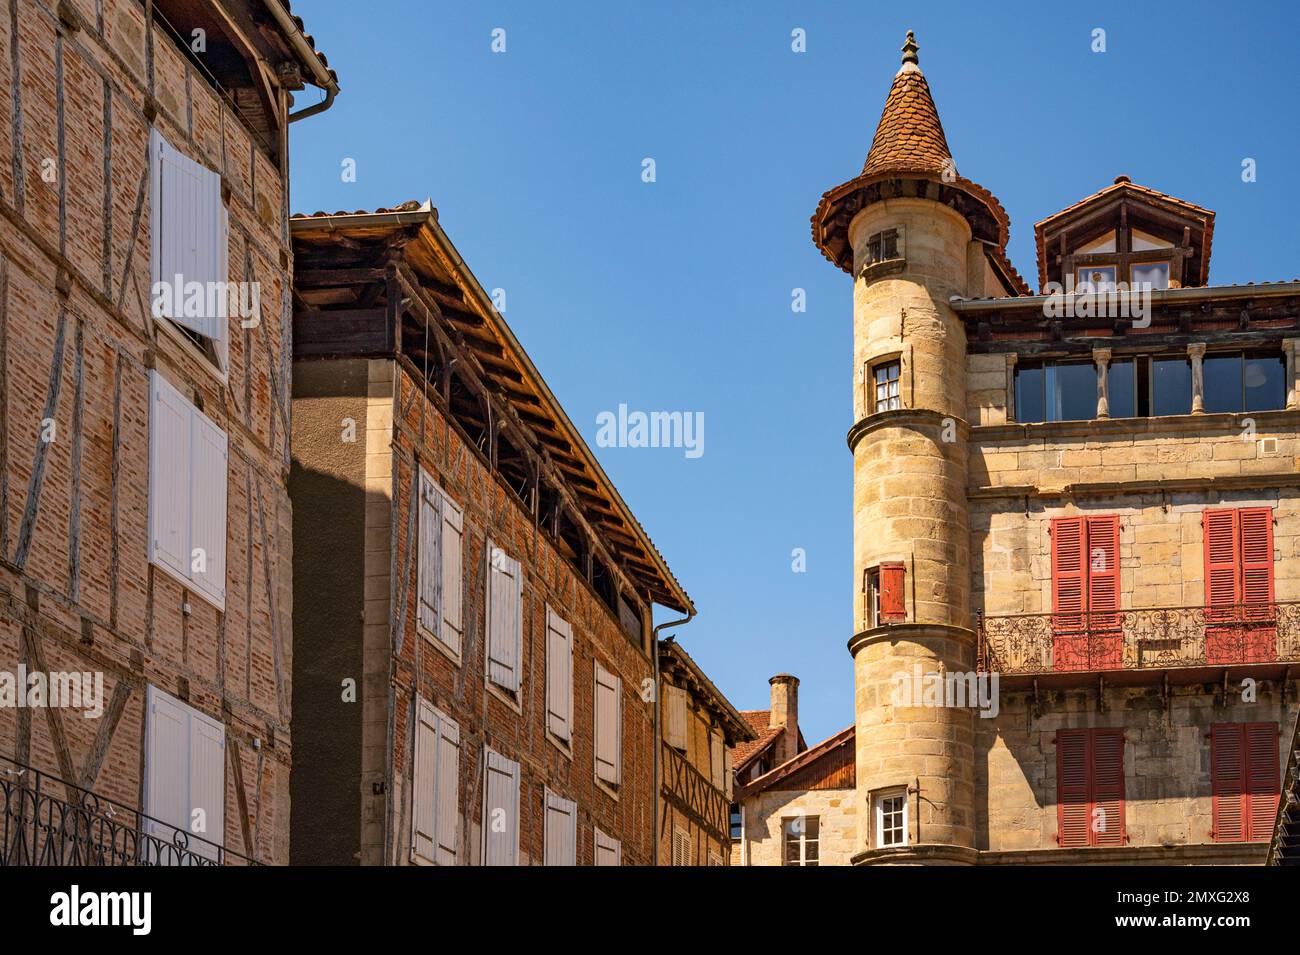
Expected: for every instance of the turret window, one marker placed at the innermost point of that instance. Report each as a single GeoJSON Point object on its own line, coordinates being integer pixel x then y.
{"type": "Point", "coordinates": [887, 376]}
{"type": "Point", "coordinates": [882, 247]}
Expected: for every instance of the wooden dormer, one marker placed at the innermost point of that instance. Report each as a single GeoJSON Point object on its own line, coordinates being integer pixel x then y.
{"type": "Point", "coordinates": [1126, 233]}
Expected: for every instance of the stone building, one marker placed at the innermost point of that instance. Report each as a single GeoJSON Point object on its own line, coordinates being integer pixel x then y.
{"type": "Point", "coordinates": [144, 517]}
{"type": "Point", "coordinates": [699, 730]}
{"type": "Point", "coordinates": [1089, 493]}
{"type": "Point", "coordinates": [475, 678]}
{"type": "Point", "coordinates": [794, 804]}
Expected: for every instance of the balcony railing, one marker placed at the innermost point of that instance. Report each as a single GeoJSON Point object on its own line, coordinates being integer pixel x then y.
{"type": "Point", "coordinates": [45, 821]}
{"type": "Point", "coordinates": [1154, 638]}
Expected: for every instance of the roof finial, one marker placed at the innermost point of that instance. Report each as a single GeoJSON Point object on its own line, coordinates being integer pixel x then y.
{"type": "Point", "coordinates": [909, 49]}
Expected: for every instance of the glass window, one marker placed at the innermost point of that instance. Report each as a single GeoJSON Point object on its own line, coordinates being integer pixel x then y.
{"type": "Point", "coordinates": [1265, 381]}
{"type": "Point", "coordinates": [882, 246]}
{"type": "Point", "coordinates": [735, 823]}
{"type": "Point", "coordinates": [1098, 278]}
{"type": "Point", "coordinates": [871, 599]}
{"type": "Point", "coordinates": [1072, 391]}
{"type": "Point", "coordinates": [1121, 388]}
{"type": "Point", "coordinates": [1171, 386]}
{"type": "Point", "coordinates": [1153, 274]}
{"type": "Point", "coordinates": [891, 820]}
{"type": "Point", "coordinates": [1223, 387]}
{"type": "Point", "coordinates": [886, 376]}
{"type": "Point", "coordinates": [1030, 400]}
{"type": "Point", "coordinates": [801, 838]}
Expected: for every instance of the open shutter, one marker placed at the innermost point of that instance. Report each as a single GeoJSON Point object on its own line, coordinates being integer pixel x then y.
{"type": "Point", "coordinates": [561, 831]}
{"type": "Point", "coordinates": [170, 461]}
{"type": "Point", "coordinates": [207, 782]}
{"type": "Point", "coordinates": [609, 708]}
{"type": "Point", "coordinates": [447, 809]}
{"type": "Point", "coordinates": [1263, 779]}
{"type": "Point", "coordinates": [503, 618]}
{"type": "Point", "coordinates": [716, 749]}
{"type": "Point", "coordinates": [423, 818]}
{"type": "Point", "coordinates": [430, 529]}
{"type": "Point", "coordinates": [728, 774]}
{"type": "Point", "coordinates": [452, 572]}
{"type": "Point", "coordinates": [675, 698]}
{"type": "Point", "coordinates": [892, 601]}
{"type": "Point", "coordinates": [1227, 772]}
{"type": "Point", "coordinates": [559, 676]}
{"type": "Point", "coordinates": [209, 470]}
{"type": "Point", "coordinates": [1073, 809]}
{"type": "Point", "coordinates": [500, 810]}
{"type": "Point", "coordinates": [1107, 822]}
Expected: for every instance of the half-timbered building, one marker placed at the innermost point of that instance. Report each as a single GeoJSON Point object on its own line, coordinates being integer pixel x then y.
{"type": "Point", "coordinates": [474, 680]}
{"type": "Point", "coordinates": [144, 436]}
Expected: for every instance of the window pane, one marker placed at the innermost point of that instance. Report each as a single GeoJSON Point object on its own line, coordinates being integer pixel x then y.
{"type": "Point", "coordinates": [810, 826]}
{"type": "Point", "coordinates": [1029, 393]}
{"type": "Point", "coordinates": [1222, 383]}
{"type": "Point", "coordinates": [1121, 389]}
{"type": "Point", "coordinates": [1171, 385]}
{"type": "Point", "coordinates": [1100, 278]}
{"type": "Point", "coordinates": [1265, 382]}
{"type": "Point", "coordinates": [1072, 392]}
{"type": "Point", "coordinates": [1155, 274]}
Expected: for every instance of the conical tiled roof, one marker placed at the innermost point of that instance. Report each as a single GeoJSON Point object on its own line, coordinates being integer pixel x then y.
{"type": "Point", "coordinates": [909, 137]}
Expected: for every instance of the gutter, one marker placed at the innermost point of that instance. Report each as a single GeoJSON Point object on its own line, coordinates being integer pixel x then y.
{"type": "Point", "coordinates": [655, 834]}
{"type": "Point", "coordinates": [323, 79]}
{"type": "Point", "coordinates": [1212, 293]}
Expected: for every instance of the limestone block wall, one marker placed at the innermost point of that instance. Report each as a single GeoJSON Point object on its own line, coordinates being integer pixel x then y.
{"type": "Point", "coordinates": [835, 810]}
{"type": "Point", "coordinates": [1166, 760]}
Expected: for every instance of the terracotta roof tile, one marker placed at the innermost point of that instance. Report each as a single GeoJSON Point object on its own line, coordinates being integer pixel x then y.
{"type": "Point", "coordinates": [909, 137]}
{"type": "Point", "coordinates": [767, 735]}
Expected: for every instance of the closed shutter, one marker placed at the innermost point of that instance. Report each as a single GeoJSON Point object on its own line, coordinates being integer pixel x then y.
{"type": "Point", "coordinates": [892, 601]}
{"type": "Point", "coordinates": [682, 855]}
{"type": "Point", "coordinates": [423, 797]}
{"type": "Point", "coordinates": [170, 459]}
{"type": "Point", "coordinates": [185, 775]}
{"type": "Point", "coordinates": [609, 851]}
{"type": "Point", "coordinates": [716, 759]}
{"type": "Point", "coordinates": [209, 472]}
{"type": "Point", "coordinates": [559, 676]}
{"type": "Point", "coordinates": [1073, 810]}
{"type": "Point", "coordinates": [430, 529]}
{"type": "Point", "coordinates": [1239, 586]}
{"type": "Point", "coordinates": [1103, 572]}
{"type": "Point", "coordinates": [1085, 594]}
{"type": "Point", "coordinates": [1107, 787]}
{"type": "Point", "coordinates": [500, 810]}
{"type": "Point", "coordinates": [504, 618]}
{"type": "Point", "coordinates": [675, 698]}
{"type": "Point", "coordinates": [728, 774]}
{"type": "Point", "coordinates": [448, 791]}
{"type": "Point", "coordinates": [1227, 775]}
{"type": "Point", "coordinates": [1068, 598]}
{"type": "Point", "coordinates": [1221, 561]}
{"type": "Point", "coordinates": [1263, 779]}
{"type": "Point", "coordinates": [561, 831]}
{"type": "Point", "coordinates": [1257, 561]}
{"type": "Point", "coordinates": [452, 574]}
{"type": "Point", "coordinates": [609, 721]}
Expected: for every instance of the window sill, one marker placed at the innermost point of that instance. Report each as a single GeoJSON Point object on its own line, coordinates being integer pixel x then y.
{"type": "Point", "coordinates": [877, 270]}
{"type": "Point", "coordinates": [192, 351]}
{"type": "Point", "coordinates": [510, 699]}
{"type": "Point", "coordinates": [564, 746]}
{"type": "Point", "coordinates": [432, 638]}
{"type": "Point", "coordinates": [608, 789]}
{"type": "Point", "coordinates": [1225, 421]}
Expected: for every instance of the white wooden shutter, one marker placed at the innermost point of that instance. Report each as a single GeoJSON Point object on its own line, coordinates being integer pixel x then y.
{"type": "Point", "coordinates": [170, 461]}
{"type": "Point", "coordinates": [452, 572]}
{"type": "Point", "coordinates": [500, 810]}
{"type": "Point", "coordinates": [561, 831]}
{"type": "Point", "coordinates": [189, 227]}
{"type": "Point", "coordinates": [185, 770]}
{"type": "Point", "coordinates": [207, 782]}
{"type": "Point", "coordinates": [676, 700]}
{"type": "Point", "coordinates": [559, 676]}
{"type": "Point", "coordinates": [609, 712]}
{"type": "Point", "coordinates": [728, 774]}
{"type": "Point", "coordinates": [609, 851]}
{"type": "Point", "coordinates": [448, 790]}
{"type": "Point", "coordinates": [716, 759]}
{"type": "Point", "coordinates": [423, 819]}
{"type": "Point", "coordinates": [430, 530]}
{"type": "Point", "coordinates": [209, 475]}
{"type": "Point", "coordinates": [681, 847]}
{"type": "Point", "coordinates": [504, 618]}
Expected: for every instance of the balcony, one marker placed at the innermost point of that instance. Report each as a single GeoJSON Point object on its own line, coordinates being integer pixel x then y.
{"type": "Point", "coordinates": [1176, 644]}
{"type": "Point", "coordinates": [45, 821]}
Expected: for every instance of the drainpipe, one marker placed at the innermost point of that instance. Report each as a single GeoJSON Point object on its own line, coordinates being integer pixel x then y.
{"type": "Point", "coordinates": [654, 648]}
{"type": "Point", "coordinates": [308, 56]}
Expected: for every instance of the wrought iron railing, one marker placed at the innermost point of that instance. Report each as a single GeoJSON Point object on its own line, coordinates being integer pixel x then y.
{"type": "Point", "coordinates": [1152, 638]}
{"type": "Point", "coordinates": [46, 821]}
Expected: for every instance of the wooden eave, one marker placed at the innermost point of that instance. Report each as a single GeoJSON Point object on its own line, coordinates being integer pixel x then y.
{"type": "Point", "coordinates": [798, 762]}
{"type": "Point", "coordinates": [345, 266]}
{"type": "Point", "coordinates": [684, 672]}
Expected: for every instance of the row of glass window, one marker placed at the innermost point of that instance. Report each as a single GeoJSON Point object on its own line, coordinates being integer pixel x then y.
{"type": "Point", "coordinates": [1149, 386]}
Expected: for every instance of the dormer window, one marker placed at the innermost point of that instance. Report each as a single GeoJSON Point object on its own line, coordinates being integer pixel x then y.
{"type": "Point", "coordinates": [1153, 275]}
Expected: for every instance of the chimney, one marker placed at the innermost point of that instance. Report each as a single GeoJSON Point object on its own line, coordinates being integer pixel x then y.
{"type": "Point", "coordinates": [785, 713]}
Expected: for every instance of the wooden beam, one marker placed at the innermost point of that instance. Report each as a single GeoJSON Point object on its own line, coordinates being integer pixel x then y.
{"type": "Point", "coordinates": [42, 447]}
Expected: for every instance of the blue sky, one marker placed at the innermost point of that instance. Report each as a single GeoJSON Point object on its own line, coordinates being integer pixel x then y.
{"type": "Point", "coordinates": [675, 295]}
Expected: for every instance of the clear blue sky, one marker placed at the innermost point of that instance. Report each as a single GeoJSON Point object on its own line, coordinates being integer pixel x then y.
{"type": "Point", "coordinates": [676, 295]}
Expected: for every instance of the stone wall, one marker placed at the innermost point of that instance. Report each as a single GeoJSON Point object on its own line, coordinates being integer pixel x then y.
{"type": "Point", "coordinates": [837, 825]}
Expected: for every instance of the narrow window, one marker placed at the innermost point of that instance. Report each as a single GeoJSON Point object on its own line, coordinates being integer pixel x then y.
{"type": "Point", "coordinates": [1240, 618]}
{"type": "Point", "coordinates": [504, 609]}
{"type": "Point", "coordinates": [185, 780]}
{"type": "Point", "coordinates": [609, 851]}
{"type": "Point", "coordinates": [882, 247]}
{"type": "Point", "coordinates": [1090, 787]}
{"type": "Point", "coordinates": [801, 839]}
{"type": "Point", "coordinates": [561, 831]}
{"type": "Point", "coordinates": [559, 677]}
{"type": "Point", "coordinates": [871, 598]}
{"type": "Point", "coordinates": [1245, 781]}
{"type": "Point", "coordinates": [1121, 388]}
{"type": "Point", "coordinates": [887, 375]}
{"type": "Point", "coordinates": [500, 809]}
{"type": "Point", "coordinates": [734, 822]}
{"type": "Point", "coordinates": [435, 821]}
{"type": "Point", "coordinates": [1224, 387]}
{"type": "Point", "coordinates": [441, 569]}
{"type": "Point", "coordinates": [608, 730]}
{"type": "Point", "coordinates": [1171, 386]}
{"type": "Point", "coordinates": [1265, 381]}
{"type": "Point", "coordinates": [891, 819]}
{"type": "Point", "coordinates": [1085, 594]}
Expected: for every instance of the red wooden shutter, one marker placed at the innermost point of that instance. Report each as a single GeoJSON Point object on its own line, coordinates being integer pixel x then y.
{"type": "Point", "coordinates": [892, 606]}
{"type": "Point", "coordinates": [1263, 780]}
{"type": "Point", "coordinates": [1221, 558]}
{"type": "Point", "coordinates": [1106, 822]}
{"type": "Point", "coordinates": [1226, 757]}
{"type": "Point", "coordinates": [1069, 594]}
{"type": "Point", "coordinates": [1073, 809]}
{"type": "Point", "coordinates": [1105, 642]}
{"type": "Point", "coordinates": [1256, 527]}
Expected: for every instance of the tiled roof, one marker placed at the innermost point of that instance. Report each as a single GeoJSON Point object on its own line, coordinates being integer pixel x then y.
{"type": "Point", "coordinates": [800, 760]}
{"type": "Point", "coordinates": [767, 735]}
{"type": "Point", "coordinates": [311, 41]}
{"type": "Point", "coordinates": [909, 137]}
